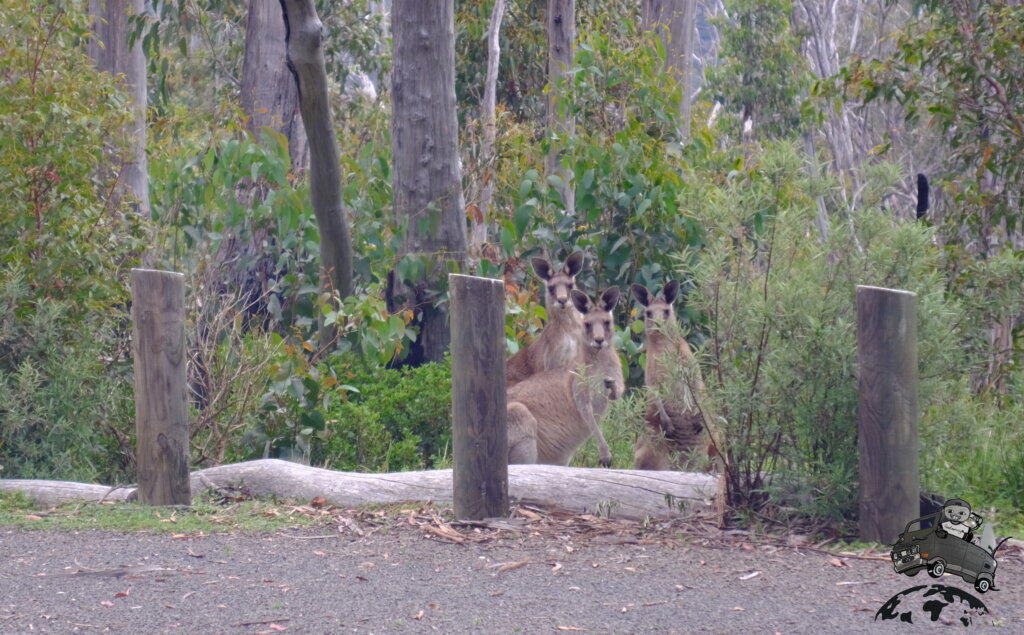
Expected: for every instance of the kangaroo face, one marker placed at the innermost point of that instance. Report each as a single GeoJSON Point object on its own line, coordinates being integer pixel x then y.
{"type": "Point", "coordinates": [560, 283]}
{"type": "Point", "coordinates": [597, 318]}
{"type": "Point", "coordinates": [658, 309]}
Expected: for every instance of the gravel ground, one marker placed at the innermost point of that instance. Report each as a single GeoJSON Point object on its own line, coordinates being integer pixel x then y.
{"type": "Point", "coordinates": [413, 576]}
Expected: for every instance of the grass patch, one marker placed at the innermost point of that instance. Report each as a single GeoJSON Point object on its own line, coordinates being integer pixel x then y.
{"type": "Point", "coordinates": [209, 513]}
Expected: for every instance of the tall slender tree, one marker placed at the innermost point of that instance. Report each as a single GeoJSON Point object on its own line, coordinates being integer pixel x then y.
{"type": "Point", "coordinates": [478, 236]}
{"type": "Point", "coordinates": [427, 176]}
{"type": "Point", "coordinates": [674, 22]}
{"type": "Point", "coordinates": [111, 52]}
{"type": "Point", "coordinates": [269, 95]}
{"type": "Point", "coordinates": [561, 30]}
{"type": "Point", "coordinates": [304, 43]}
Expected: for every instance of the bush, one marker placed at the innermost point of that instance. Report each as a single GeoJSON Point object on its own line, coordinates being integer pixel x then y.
{"type": "Point", "coordinates": [413, 405]}
{"type": "Point", "coordinates": [65, 249]}
{"type": "Point", "coordinates": [780, 306]}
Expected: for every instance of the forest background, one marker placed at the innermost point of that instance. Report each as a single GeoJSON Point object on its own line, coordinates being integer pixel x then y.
{"type": "Point", "coordinates": [763, 153]}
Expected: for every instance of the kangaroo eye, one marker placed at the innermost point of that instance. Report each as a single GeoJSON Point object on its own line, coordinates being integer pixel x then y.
{"type": "Point", "coordinates": [650, 314]}
{"type": "Point", "coordinates": [551, 289]}
{"type": "Point", "coordinates": [569, 286]}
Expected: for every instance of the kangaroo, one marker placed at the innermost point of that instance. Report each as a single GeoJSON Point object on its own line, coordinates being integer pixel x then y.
{"type": "Point", "coordinates": [561, 341]}
{"type": "Point", "coordinates": [553, 412]}
{"type": "Point", "coordinates": [675, 418]}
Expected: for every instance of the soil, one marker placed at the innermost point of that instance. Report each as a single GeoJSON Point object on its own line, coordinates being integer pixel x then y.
{"type": "Point", "coordinates": [410, 571]}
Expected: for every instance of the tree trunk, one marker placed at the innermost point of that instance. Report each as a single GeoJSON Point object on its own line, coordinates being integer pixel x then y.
{"type": "Point", "coordinates": [478, 235]}
{"type": "Point", "coordinates": [110, 51]}
{"type": "Point", "coordinates": [675, 22]}
{"type": "Point", "coordinates": [270, 97]}
{"type": "Point", "coordinates": [561, 30]}
{"type": "Point", "coordinates": [629, 494]}
{"type": "Point", "coordinates": [303, 39]}
{"type": "Point", "coordinates": [427, 176]}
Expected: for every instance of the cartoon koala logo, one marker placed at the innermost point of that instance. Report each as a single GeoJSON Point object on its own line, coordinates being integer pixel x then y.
{"type": "Point", "coordinates": [958, 520]}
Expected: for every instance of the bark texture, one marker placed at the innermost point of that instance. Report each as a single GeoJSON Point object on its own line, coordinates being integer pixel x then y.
{"type": "Point", "coordinates": [478, 235]}
{"type": "Point", "coordinates": [561, 30]}
{"type": "Point", "coordinates": [629, 494]}
{"type": "Point", "coordinates": [427, 175]}
{"type": "Point", "coordinates": [303, 38]}
{"type": "Point", "coordinates": [270, 96]}
{"type": "Point", "coordinates": [110, 51]}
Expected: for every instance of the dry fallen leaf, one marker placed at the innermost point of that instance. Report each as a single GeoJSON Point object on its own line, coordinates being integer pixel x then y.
{"type": "Point", "coordinates": [33, 517]}
{"type": "Point", "coordinates": [571, 628]}
{"type": "Point", "coordinates": [508, 566]}
{"type": "Point", "coordinates": [525, 513]}
{"type": "Point", "coordinates": [836, 562]}
{"type": "Point", "coordinates": [557, 567]}
{"type": "Point", "coordinates": [750, 575]}
{"type": "Point", "coordinates": [419, 616]}
{"type": "Point", "coordinates": [278, 627]}
{"type": "Point", "coordinates": [318, 501]}
{"type": "Point", "coordinates": [319, 553]}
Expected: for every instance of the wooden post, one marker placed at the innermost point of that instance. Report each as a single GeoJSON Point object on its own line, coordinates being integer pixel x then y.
{"type": "Point", "coordinates": [479, 433]}
{"type": "Point", "coordinates": [887, 412]}
{"type": "Point", "coordinates": [161, 407]}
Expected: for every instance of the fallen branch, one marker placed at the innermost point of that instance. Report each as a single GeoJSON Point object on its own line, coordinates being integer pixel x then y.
{"type": "Point", "coordinates": [628, 494]}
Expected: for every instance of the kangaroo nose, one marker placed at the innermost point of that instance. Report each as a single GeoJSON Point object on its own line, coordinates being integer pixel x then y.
{"type": "Point", "coordinates": [609, 387]}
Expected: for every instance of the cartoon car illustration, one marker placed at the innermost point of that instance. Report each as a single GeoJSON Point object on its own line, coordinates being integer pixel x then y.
{"type": "Point", "coordinates": [924, 545]}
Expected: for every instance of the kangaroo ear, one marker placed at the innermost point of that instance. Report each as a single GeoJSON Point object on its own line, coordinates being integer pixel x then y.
{"type": "Point", "coordinates": [670, 292]}
{"type": "Point", "coordinates": [574, 264]}
{"type": "Point", "coordinates": [580, 301]}
{"type": "Point", "coordinates": [610, 298]}
{"type": "Point", "coordinates": [542, 267]}
{"type": "Point", "coordinates": [642, 295]}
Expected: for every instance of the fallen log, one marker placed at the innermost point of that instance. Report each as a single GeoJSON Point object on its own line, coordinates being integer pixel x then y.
{"type": "Point", "coordinates": [629, 494]}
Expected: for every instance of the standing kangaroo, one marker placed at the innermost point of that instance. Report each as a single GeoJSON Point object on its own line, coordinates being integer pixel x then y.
{"type": "Point", "coordinates": [552, 413]}
{"type": "Point", "coordinates": [561, 341]}
{"type": "Point", "coordinates": [675, 419]}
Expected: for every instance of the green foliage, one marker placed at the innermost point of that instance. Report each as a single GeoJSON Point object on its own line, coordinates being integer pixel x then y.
{"type": "Point", "coordinates": [628, 163]}
{"type": "Point", "coordinates": [762, 74]}
{"type": "Point", "coordinates": [412, 405]}
{"type": "Point", "coordinates": [65, 248]}
{"type": "Point", "coordinates": [351, 413]}
{"type": "Point", "coordinates": [959, 67]}
{"type": "Point", "coordinates": [621, 424]}
{"type": "Point", "coordinates": [781, 348]}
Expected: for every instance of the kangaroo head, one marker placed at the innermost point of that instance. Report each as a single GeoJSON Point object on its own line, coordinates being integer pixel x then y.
{"type": "Point", "coordinates": [559, 283]}
{"type": "Point", "coordinates": [657, 308]}
{"type": "Point", "coordinates": [597, 318]}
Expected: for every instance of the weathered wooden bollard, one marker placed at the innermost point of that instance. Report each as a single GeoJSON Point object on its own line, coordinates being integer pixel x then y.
{"type": "Point", "coordinates": [161, 402]}
{"type": "Point", "coordinates": [479, 434]}
{"type": "Point", "coordinates": [887, 412]}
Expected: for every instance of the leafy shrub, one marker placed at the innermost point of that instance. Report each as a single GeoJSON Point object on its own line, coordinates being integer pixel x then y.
{"type": "Point", "coordinates": [414, 406]}
{"type": "Point", "coordinates": [65, 249]}
{"type": "Point", "coordinates": [780, 309]}
{"type": "Point", "coordinates": [351, 413]}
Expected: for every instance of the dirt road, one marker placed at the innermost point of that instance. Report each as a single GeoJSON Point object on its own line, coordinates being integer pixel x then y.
{"type": "Point", "coordinates": [413, 575]}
